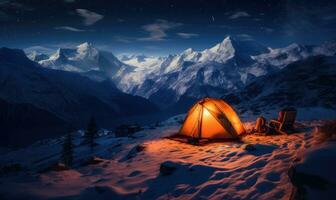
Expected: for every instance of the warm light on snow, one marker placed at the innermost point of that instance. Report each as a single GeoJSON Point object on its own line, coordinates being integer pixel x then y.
{"type": "Point", "coordinates": [217, 170]}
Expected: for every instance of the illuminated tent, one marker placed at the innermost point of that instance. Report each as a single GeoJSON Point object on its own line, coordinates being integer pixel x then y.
{"type": "Point", "coordinates": [212, 118]}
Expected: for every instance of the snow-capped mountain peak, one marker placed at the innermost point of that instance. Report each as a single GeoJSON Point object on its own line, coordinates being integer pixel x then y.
{"type": "Point", "coordinates": [59, 55]}
{"type": "Point", "coordinates": [221, 52]}
{"type": "Point", "coordinates": [83, 58]}
{"type": "Point", "coordinates": [228, 65]}
{"type": "Point", "coordinates": [85, 46]}
{"type": "Point", "coordinates": [190, 55]}
{"type": "Point", "coordinates": [86, 50]}
{"type": "Point", "coordinates": [188, 51]}
{"type": "Point", "coordinates": [281, 57]}
{"type": "Point", "coordinates": [225, 45]}
{"type": "Point", "coordinates": [35, 56]}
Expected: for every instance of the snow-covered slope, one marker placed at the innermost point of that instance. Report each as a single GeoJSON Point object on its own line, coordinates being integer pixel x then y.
{"type": "Point", "coordinates": [130, 167]}
{"type": "Point", "coordinates": [65, 95]}
{"type": "Point", "coordinates": [197, 74]}
{"type": "Point", "coordinates": [138, 68]}
{"type": "Point", "coordinates": [281, 57]}
{"type": "Point", "coordinates": [222, 68]}
{"type": "Point", "coordinates": [82, 59]}
{"type": "Point", "coordinates": [35, 56]}
{"type": "Point", "coordinates": [309, 83]}
{"type": "Point", "coordinates": [142, 61]}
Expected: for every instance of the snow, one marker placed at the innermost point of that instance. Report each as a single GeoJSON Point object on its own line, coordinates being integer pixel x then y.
{"type": "Point", "coordinates": [220, 52]}
{"type": "Point", "coordinates": [191, 55]}
{"type": "Point", "coordinates": [319, 162]}
{"type": "Point", "coordinates": [213, 171]}
{"type": "Point", "coordinates": [142, 62]}
{"type": "Point", "coordinates": [83, 58]}
{"type": "Point", "coordinates": [281, 57]}
{"type": "Point", "coordinates": [230, 64]}
{"type": "Point", "coordinates": [137, 70]}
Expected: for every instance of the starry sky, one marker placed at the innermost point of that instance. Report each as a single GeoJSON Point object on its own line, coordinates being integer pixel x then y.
{"type": "Point", "coordinates": [161, 27]}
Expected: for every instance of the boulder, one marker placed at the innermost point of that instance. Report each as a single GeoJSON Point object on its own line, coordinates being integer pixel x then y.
{"type": "Point", "coordinates": [300, 180]}
{"type": "Point", "coordinates": [59, 167]}
{"type": "Point", "coordinates": [133, 152]}
{"type": "Point", "coordinates": [94, 160]}
{"type": "Point", "coordinates": [250, 147]}
{"type": "Point", "coordinates": [167, 168]}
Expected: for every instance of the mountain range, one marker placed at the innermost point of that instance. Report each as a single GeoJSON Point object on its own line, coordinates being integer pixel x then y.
{"type": "Point", "coordinates": [226, 67]}
{"type": "Point", "coordinates": [60, 91]}
{"type": "Point", "coordinates": [60, 97]}
{"type": "Point", "coordinates": [176, 81]}
{"type": "Point", "coordinates": [308, 83]}
{"type": "Point", "coordinates": [84, 59]}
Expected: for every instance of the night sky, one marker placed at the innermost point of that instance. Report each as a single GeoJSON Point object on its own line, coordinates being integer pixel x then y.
{"type": "Point", "coordinates": [160, 27]}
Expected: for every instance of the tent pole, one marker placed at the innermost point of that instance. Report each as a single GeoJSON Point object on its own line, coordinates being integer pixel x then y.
{"type": "Point", "coordinates": [200, 123]}
{"type": "Point", "coordinates": [224, 125]}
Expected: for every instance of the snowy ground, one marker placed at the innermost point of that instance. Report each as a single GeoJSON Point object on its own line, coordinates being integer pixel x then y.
{"type": "Point", "coordinates": [214, 171]}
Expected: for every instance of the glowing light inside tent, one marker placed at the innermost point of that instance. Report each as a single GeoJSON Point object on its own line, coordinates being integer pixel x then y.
{"type": "Point", "coordinates": [212, 118]}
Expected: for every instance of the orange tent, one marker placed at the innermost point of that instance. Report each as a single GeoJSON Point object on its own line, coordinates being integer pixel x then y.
{"type": "Point", "coordinates": [212, 118]}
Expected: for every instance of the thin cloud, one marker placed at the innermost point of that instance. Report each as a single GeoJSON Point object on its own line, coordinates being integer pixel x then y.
{"type": "Point", "coordinates": [245, 37]}
{"type": "Point", "coordinates": [239, 14]}
{"type": "Point", "coordinates": [187, 35]}
{"type": "Point", "coordinates": [122, 39]}
{"type": "Point", "coordinates": [89, 17]}
{"type": "Point", "coordinates": [65, 45]}
{"type": "Point", "coordinates": [69, 28]}
{"type": "Point", "coordinates": [158, 31]}
{"type": "Point", "coordinates": [39, 49]}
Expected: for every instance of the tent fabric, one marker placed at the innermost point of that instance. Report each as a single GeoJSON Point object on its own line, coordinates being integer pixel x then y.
{"type": "Point", "coordinates": [212, 118]}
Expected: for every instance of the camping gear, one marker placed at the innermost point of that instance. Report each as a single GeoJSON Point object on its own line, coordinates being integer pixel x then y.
{"type": "Point", "coordinates": [260, 126]}
{"type": "Point", "coordinates": [285, 122]}
{"type": "Point", "coordinates": [211, 118]}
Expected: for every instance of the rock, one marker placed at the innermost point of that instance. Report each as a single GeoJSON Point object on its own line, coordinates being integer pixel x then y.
{"type": "Point", "coordinates": [193, 141]}
{"type": "Point", "coordinates": [59, 167]}
{"type": "Point", "coordinates": [167, 168]}
{"type": "Point", "coordinates": [100, 189]}
{"type": "Point", "coordinates": [301, 179]}
{"type": "Point", "coordinates": [140, 148]}
{"type": "Point", "coordinates": [133, 152]}
{"type": "Point", "coordinates": [250, 147]}
{"type": "Point", "coordinates": [94, 160]}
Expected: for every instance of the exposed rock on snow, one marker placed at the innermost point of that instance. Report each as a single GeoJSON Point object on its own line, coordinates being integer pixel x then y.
{"type": "Point", "coordinates": [58, 167]}
{"type": "Point", "coordinates": [249, 147]}
{"type": "Point", "coordinates": [314, 177]}
{"type": "Point", "coordinates": [167, 168]}
{"type": "Point", "coordinates": [303, 84]}
{"type": "Point", "coordinates": [94, 160]}
{"type": "Point", "coordinates": [133, 152]}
